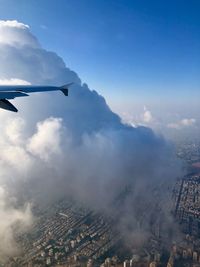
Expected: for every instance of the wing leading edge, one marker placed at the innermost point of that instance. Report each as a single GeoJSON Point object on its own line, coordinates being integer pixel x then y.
{"type": "Point", "coordinates": [13, 91]}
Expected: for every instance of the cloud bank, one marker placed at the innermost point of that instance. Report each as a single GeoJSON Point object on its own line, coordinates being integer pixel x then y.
{"type": "Point", "coordinates": [76, 146]}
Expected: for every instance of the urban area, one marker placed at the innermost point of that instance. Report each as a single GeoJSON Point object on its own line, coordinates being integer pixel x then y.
{"type": "Point", "coordinates": [67, 234]}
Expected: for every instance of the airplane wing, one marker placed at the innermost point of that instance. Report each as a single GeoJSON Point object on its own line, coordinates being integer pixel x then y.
{"type": "Point", "coordinates": [13, 91]}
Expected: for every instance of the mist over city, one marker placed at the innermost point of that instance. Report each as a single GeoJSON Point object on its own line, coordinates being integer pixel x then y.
{"type": "Point", "coordinates": [100, 160]}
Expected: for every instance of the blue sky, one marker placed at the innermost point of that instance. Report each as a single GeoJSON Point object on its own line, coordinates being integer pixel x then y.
{"type": "Point", "coordinates": [132, 52]}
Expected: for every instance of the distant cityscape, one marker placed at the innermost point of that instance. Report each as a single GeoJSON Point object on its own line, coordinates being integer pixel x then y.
{"type": "Point", "coordinates": [68, 234]}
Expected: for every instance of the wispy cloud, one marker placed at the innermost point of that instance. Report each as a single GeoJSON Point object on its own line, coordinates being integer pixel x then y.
{"type": "Point", "coordinates": [182, 123]}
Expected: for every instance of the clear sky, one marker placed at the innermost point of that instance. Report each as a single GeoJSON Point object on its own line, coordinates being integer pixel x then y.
{"type": "Point", "coordinates": [133, 52]}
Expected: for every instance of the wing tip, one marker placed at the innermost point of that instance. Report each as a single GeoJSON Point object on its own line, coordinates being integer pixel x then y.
{"type": "Point", "coordinates": [65, 88]}
{"type": "Point", "coordinates": [5, 104]}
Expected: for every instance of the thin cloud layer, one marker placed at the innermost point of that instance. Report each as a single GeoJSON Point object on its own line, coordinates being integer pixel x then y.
{"type": "Point", "coordinates": [182, 124]}
{"type": "Point", "coordinates": [77, 147]}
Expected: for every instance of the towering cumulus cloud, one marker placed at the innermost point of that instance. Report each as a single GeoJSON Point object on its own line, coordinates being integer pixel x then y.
{"type": "Point", "coordinates": [74, 147]}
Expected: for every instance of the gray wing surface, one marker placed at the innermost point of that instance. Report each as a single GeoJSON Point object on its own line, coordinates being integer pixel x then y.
{"type": "Point", "coordinates": [11, 92]}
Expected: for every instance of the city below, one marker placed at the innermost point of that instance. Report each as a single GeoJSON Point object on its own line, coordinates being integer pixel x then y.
{"type": "Point", "coordinates": [68, 234]}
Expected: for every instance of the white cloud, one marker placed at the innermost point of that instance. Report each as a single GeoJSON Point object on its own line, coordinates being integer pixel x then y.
{"type": "Point", "coordinates": [188, 122]}
{"type": "Point", "coordinates": [13, 23]}
{"type": "Point", "coordinates": [9, 217]}
{"type": "Point", "coordinates": [80, 147]}
{"type": "Point", "coordinates": [182, 123]}
{"type": "Point", "coordinates": [13, 130]}
{"type": "Point", "coordinates": [147, 116]}
{"type": "Point", "coordinates": [46, 142]}
{"type": "Point", "coordinates": [23, 58]}
{"type": "Point", "coordinates": [13, 81]}
{"type": "Point", "coordinates": [16, 34]}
